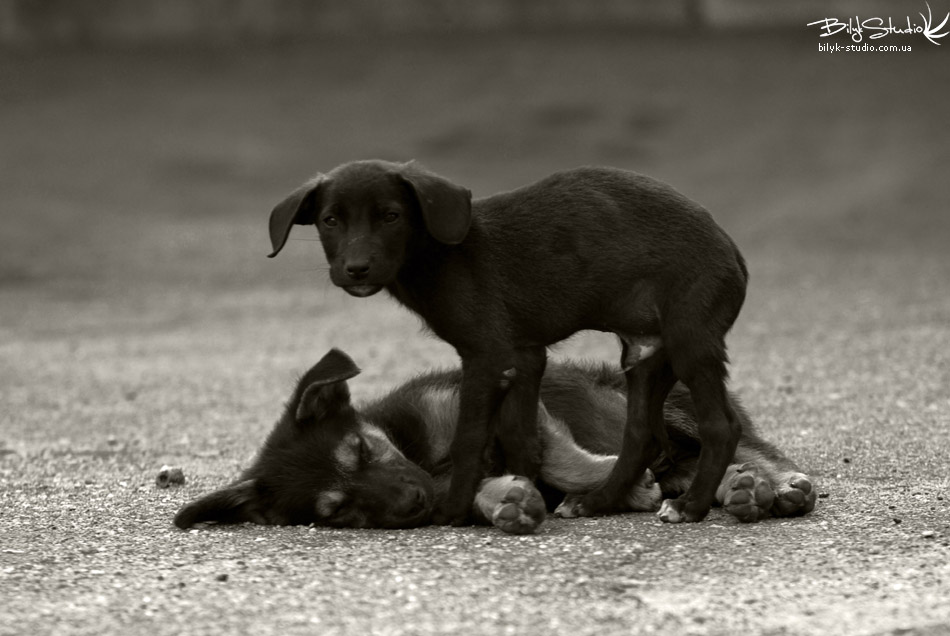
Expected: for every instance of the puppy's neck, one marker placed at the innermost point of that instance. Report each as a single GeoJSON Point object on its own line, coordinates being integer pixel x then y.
{"type": "Point", "coordinates": [427, 265]}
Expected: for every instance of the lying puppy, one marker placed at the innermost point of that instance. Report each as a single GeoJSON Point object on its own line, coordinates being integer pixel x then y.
{"type": "Point", "coordinates": [501, 278]}
{"type": "Point", "coordinates": [387, 463]}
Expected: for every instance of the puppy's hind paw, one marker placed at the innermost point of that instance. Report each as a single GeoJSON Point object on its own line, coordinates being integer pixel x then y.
{"type": "Point", "coordinates": [745, 494]}
{"type": "Point", "coordinates": [795, 497]}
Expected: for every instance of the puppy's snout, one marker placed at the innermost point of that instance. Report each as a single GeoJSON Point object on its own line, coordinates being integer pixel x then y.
{"type": "Point", "coordinates": [416, 497]}
{"type": "Point", "coordinates": [357, 270]}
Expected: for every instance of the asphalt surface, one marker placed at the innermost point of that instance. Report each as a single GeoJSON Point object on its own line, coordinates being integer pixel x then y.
{"type": "Point", "coordinates": [141, 325]}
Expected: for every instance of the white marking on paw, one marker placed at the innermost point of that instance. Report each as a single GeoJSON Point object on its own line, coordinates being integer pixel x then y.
{"type": "Point", "coordinates": [568, 508]}
{"type": "Point", "coordinates": [667, 513]}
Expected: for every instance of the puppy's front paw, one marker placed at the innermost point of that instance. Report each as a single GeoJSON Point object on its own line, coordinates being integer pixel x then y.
{"type": "Point", "coordinates": [521, 509]}
{"type": "Point", "coordinates": [796, 496]}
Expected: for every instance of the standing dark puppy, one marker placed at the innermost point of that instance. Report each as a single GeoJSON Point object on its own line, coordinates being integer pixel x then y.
{"type": "Point", "coordinates": [502, 278]}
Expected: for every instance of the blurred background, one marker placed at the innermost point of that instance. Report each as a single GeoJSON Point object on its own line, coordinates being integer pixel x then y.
{"type": "Point", "coordinates": [144, 143]}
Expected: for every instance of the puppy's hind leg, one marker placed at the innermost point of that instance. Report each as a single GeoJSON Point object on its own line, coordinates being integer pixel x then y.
{"type": "Point", "coordinates": [649, 381]}
{"type": "Point", "coordinates": [719, 431]}
{"type": "Point", "coordinates": [478, 400]}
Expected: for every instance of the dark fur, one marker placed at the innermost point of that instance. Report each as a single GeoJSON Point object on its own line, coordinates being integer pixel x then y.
{"type": "Point", "coordinates": [297, 478]}
{"type": "Point", "coordinates": [503, 277]}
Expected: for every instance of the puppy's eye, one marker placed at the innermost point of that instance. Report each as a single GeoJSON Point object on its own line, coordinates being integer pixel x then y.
{"type": "Point", "coordinates": [391, 217]}
{"type": "Point", "coordinates": [330, 221]}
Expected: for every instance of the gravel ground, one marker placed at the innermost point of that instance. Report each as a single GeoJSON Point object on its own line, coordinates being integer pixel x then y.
{"type": "Point", "coordinates": [141, 326]}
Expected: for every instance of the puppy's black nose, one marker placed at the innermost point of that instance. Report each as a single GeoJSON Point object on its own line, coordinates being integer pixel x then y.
{"type": "Point", "coordinates": [357, 271]}
{"type": "Point", "coordinates": [416, 501]}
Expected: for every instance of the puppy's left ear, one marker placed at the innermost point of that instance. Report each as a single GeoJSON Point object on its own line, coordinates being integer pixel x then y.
{"type": "Point", "coordinates": [446, 207]}
{"type": "Point", "coordinates": [236, 503]}
{"type": "Point", "coordinates": [323, 388]}
{"type": "Point", "coordinates": [299, 208]}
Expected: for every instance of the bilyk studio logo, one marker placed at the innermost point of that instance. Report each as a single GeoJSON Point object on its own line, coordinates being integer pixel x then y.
{"type": "Point", "coordinates": [877, 28]}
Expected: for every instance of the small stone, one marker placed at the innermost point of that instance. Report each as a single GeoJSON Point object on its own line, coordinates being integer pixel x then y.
{"type": "Point", "coordinates": [221, 577]}
{"type": "Point", "coordinates": [822, 495]}
{"type": "Point", "coordinates": [928, 534]}
{"type": "Point", "coordinates": [169, 476]}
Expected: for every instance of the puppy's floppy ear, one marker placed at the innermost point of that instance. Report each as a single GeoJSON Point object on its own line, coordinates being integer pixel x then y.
{"type": "Point", "coordinates": [299, 208]}
{"type": "Point", "coordinates": [446, 207]}
{"type": "Point", "coordinates": [236, 503]}
{"type": "Point", "coordinates": [323, 388]}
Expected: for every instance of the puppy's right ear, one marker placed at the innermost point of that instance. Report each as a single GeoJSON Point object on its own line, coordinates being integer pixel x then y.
{"type": "Point", "coordinates": [299, 208]}
{"type": "Point", "coordinates": [323, 389]}
{"type": "Point", "coordinates": [446, 207]}
{"type": "Point", "coordinates": [236, 503]}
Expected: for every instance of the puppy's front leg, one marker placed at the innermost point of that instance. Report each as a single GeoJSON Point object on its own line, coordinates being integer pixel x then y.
{"type": "Point", "coordinates": [518, 417]}
{"type": "Point", "coordinates": [481, 391]}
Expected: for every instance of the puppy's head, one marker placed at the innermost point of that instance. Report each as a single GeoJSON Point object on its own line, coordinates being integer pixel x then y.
{"type": "Point", "coordinates": [370, 215]}
{"type": "Point", "coordinates": [323, 464]}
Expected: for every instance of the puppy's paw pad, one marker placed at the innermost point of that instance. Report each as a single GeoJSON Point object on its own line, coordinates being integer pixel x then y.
{"type": "Point", "coordinates": [795, 497]}
{"type": "Point", "coordinates": [521, 509]}
{"type": "Point", "coordinates": [748, 497]}
{"type": "Point", "coordinates": [515, 495]}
